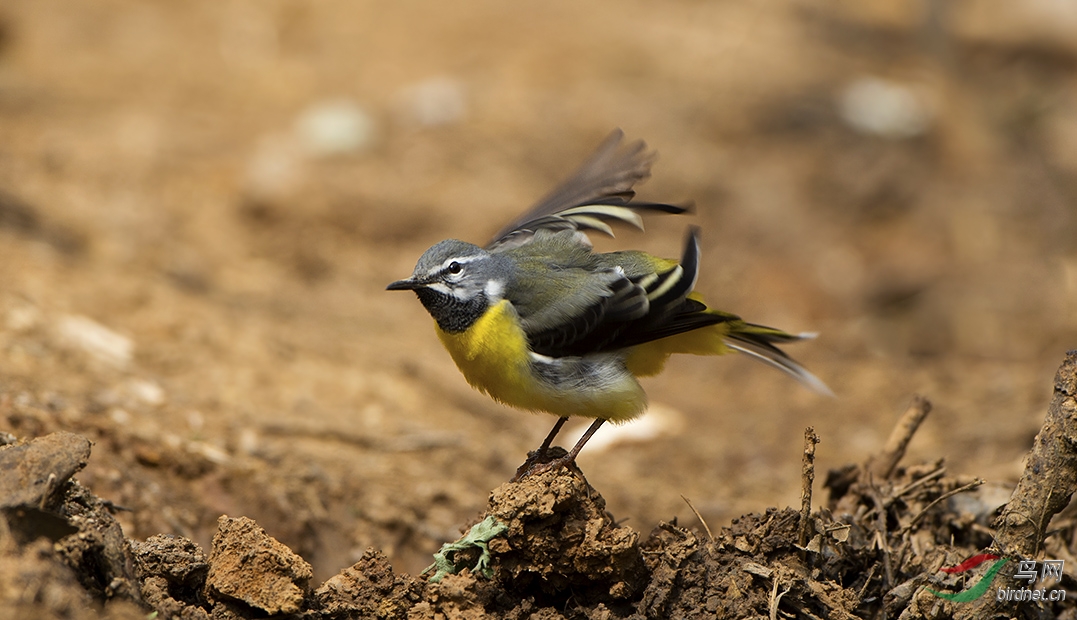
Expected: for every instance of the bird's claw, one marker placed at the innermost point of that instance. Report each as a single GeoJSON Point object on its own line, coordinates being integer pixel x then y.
{"type": "Point", "coordinates": [537, 463]}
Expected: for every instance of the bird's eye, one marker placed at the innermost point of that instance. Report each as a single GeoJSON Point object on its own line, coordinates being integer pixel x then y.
{"type": "Point", "coordinates": [455, 267]}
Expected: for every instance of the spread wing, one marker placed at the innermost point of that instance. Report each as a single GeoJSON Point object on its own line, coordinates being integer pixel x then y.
{"type": "Point", "coordinates": [598, 193]}
{"type": "Point", "coordinates": [613, 309]}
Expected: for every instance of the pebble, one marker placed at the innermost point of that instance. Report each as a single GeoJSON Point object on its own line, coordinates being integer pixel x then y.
{"type": "Point", "coordinates": [335, 127]}
{"type": "Point", "coordinates": [99, 342]}
{"type": "Point", "coordinates": [146, 391]}
{"type": "Point", "coordinates": [883, 108]}
{"type": "Point", "coordinates": [434, 102]}
{"type": "Point", "coordinates": [247, 564]}
{"type": "Point", "coordinates": [23, 318]}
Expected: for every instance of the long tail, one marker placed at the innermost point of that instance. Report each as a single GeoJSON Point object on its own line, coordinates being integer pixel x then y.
{"type": "Point", "coordinates": [759, 342]}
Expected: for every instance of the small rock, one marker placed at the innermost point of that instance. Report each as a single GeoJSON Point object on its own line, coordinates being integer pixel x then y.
{"type": "Point", "coordinates": [884, 108]}
{"type": "Point", "coordinates": [336, 127]}
{"type": "Point", "coordinates": [99, 342]}
{"type": "Point", "coordinates": [248, 441]}
{"type": "Point", "coordinates": [249, 566]}
{"type": "Point", "coordinates": [146, 391]}
{"type": "Point", "coordinates": [120, 416]}
{"type": "Point", "coordinates": [178, 560]}
{"type": "Point", "coordinates": [35, 473]}
{"type": "Point", "coordinates": [434, 102]}
{"type": "Point", "coordinates": [23, 318]}
{"type": "Point", "coordinates": [172, 572]}
{"type": "Point", "coordinates": [211, 453]}
{"type": "Point", "coordinates": [368, 589]}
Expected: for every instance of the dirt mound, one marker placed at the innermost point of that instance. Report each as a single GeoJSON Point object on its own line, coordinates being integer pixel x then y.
{"type": "Point", "coordinates": [892, 541]}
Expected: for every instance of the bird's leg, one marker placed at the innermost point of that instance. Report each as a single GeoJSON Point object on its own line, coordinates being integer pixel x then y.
{"type": "Point", "coordinates": [538, 455]}
{"type": "Point", "coordinates": [564, 461]}
{"type": "Point", "coordinates": [571, 456]}
{"type": "Point", "coordinates": [549, 438]}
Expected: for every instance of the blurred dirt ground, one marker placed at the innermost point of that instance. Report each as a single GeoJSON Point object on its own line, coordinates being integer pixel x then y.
{"type": "Point", "coordinates": [202, 202]}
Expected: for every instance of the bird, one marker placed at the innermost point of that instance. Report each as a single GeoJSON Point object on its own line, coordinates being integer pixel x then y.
{"type": "Point", "coordinates": [539, 321]}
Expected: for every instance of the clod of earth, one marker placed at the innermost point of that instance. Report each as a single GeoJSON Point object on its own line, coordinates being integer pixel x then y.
{"type": "Point", "coordinates": [250, 567]}
{"type": "Point", "coordinates": [875, 550]}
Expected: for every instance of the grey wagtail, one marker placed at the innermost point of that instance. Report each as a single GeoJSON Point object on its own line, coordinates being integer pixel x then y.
{"type": "Point", "coordinates": [539, 321]}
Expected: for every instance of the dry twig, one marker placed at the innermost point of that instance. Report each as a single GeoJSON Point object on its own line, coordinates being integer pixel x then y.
{"type": "Point", "coordinates": [968, 487]}
{"type": "Point", "coordinates": [882, 466]}
{"type": "Point", "coordinates": [807, 479]}
{"type": "Point", "coordinates": [776, 598]}
{"type": "Point", "coordinates": [710, 536]}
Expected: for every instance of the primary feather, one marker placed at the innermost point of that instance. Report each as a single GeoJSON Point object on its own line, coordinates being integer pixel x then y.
{"type": "Point", "coordinates": [600, 190]}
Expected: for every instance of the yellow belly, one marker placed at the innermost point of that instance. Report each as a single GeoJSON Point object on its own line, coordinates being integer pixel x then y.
{"type": "Point", "coordinates": [494, 358]}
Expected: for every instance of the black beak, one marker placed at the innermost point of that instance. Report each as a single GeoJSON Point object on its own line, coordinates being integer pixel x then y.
{"type": "Point", "coordinates": [404, 285]}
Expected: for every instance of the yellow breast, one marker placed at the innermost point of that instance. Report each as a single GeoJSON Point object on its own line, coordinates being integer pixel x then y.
{"type": "Point", "coordinates": [492, 353]}
{"type": "Point", "coordinates": [494, 357]}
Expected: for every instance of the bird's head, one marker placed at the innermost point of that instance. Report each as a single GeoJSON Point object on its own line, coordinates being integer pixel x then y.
{"type": "Point", "coordinates": [457, 282]}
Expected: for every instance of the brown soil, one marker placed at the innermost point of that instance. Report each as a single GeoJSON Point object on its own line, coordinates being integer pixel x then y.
{"type": "Point", "coordinates": [188, 282]}
{"type": "Point", "coordinates": [875, 551]}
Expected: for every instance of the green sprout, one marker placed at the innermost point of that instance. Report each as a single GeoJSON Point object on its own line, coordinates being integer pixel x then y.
{"type": "Point", "coordinates": [479, 536]}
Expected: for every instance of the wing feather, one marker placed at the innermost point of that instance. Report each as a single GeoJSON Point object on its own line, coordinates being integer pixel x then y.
{"type": "Point", "coordinates": [590, 300]}
{"type": "Point", "coordinates": [644, 307]}
{"type": "Point", "coordinates": [613, 212]}
{"type": "Point", "coordinates": [601, 189]}
{"type": "Point", "coordinates": [589, 222]}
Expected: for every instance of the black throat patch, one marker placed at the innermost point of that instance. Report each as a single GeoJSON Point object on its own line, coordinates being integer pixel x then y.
{"type": "Point", "coordinates": [451, 314]}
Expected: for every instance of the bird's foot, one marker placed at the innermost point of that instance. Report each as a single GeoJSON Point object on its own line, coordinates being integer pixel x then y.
{"type": "Point", "coordinates": [554, 465]}
{"type": "Point", "coordinates": [542, 461]}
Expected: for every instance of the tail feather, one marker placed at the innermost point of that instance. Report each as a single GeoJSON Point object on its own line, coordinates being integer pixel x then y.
{"type": "Point", "coordinates": [758, 342]}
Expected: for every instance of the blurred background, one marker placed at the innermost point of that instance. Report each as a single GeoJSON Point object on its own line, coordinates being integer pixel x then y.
{"type": "Point", "coordinates": [201, 204]}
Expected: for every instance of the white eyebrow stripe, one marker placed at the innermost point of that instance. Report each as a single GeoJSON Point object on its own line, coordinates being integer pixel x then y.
{"type": "Point", "coordinates": [458, 259]}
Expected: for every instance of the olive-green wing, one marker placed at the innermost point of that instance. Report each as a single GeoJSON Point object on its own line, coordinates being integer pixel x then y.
{"type": "Point", "coordinates": [567, 304]}
{"type": "Point", "coordinates": [598, 193]}
{"type": "Point", "coordinates": [577, 311]}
